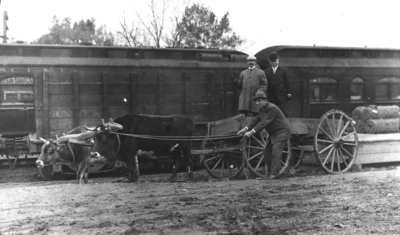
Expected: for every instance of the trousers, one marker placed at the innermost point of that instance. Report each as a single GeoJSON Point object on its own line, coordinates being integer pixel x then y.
{"type": "Point", "coordinates": [273, 156]}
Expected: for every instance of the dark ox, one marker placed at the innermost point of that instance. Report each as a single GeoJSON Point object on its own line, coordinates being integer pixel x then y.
{"type": "Point", "coordinates": [72, 150]}
{"type": "Point", "coordinates": [119, 144]}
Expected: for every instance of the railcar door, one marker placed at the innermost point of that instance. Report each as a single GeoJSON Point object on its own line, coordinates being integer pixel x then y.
{"type": "Point", "coordinates": [16, 105]}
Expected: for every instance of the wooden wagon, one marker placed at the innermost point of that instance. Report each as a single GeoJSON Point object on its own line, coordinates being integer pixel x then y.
{"type": "Point", "coordinates": [333, 139]}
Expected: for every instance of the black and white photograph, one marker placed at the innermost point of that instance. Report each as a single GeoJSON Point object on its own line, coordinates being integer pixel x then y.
{"type": "Point", "coordinates": [199, 117]}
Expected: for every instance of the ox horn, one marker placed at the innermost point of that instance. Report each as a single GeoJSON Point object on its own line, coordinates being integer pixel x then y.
{"type": "Point", "coordinates": [44, 140]}
{"type": "Point", "coordinates": [115, 126]}
{"type": "Point", "coordinates": [111, 120]}
{"type": "Point", "coordinates": [102, 122]}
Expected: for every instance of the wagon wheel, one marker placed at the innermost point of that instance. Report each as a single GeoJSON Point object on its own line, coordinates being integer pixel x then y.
{"type": "Point", "coordinates": [222, 164]}
{"type": "Point", "coordinates": [296, 157]}
{"type": "Point", "coordinates": [253, 153]}
{"type": "Point", "coordinates": [336, 142]}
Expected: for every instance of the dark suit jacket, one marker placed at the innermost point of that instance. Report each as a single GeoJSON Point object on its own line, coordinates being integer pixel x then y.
{"type": "Point", "coordinates": [279, 84]}
{"type": "Point", "coordinates": [272, 119]}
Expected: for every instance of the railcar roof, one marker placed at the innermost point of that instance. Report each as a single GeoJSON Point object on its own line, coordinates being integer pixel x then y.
{"type": "Point", "coordinates": [323, 56]}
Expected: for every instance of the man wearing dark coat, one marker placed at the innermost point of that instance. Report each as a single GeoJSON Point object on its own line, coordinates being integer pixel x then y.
{"type": "Point", "coordinates": [250, 81]}
{"type": "Point", "coordinates": [280, 85]}
{"type": "Point", "coordinates": [274, 122]}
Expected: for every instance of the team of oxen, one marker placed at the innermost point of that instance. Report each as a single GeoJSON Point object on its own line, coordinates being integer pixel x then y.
{"type": "Point", "coordinates": [121, 139]}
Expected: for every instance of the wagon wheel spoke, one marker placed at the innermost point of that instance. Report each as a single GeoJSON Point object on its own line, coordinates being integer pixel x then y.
{"type": "Point", "coordinates": [333, 158]}
{"type": "Point", "coordinates": [219, 160]}
{"type": "Point", "coordinates": [348, 135]}
{"type": "Point", "coordinates": [332, 135]}
{"type": "Point", "coordinates": [350, 155]}
{"type": "Point", "coordinates": [254, 156]}
{"type": "Point", "coordinates": [323, 150]}
{"type": "Point", "coordinates": [338, 160]}
{"type": "Point", "coordinates": [325, 141]}
{"type": "Point", "coordinates": [320, 128]}
{"type": "Point", "coordinates": [258, 141]}
{"type": "Point", "coordinates": [210, 159]}
{"type": "Point", "coordinates": [344, 128]}
{"type": "Point", "coordinates": [222, 167]}
{"type": "Point", "coordinates": [327, 156]}
{"type": "Point", "coordinates": [340, 132]}
{"type": "Point", "coordinates": [341, 155]}
{"type": "Point", "coordinates": [350, 144]}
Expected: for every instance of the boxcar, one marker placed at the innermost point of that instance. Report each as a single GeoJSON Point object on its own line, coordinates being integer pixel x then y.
{"type": "Point", "coordinates": [326, 78]}
{"type": "Point", "coordinates": [47, 90]}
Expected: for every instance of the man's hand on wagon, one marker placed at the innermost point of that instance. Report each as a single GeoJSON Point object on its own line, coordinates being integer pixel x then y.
{"type": "Point", "coordinates": [246, 133]}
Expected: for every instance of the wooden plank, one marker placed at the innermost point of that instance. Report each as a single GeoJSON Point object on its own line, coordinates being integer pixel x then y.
{"type": "Point", "coordinates": [89, 122]}
{"type": "Point", "coordinates": [117, 111]}
{"type": "Point", "coordinates": [173, 109]}
{"type": "Point", "coordinates": [38, 86]}
{"type": "Point", "coordinates": [302, 125]}
{"type": "Point", "coordinates": [60, 88]}
{"type": "Point", "coordinates": [105, 96]}
{"type": "Point", "coordinates": [173, 88]}
{"type": "Point", "coordinates": [91, 77]}
{"type": "Point", "coordinates": [76, 97]}
{"type": "Point", "coordinates": [378, 152]}
{"type": "Point", "coordinates": [61, 123]}
{"type": "Point", "coordinates": [59, 77]}
{"type": "Point", "coordinates": [46, 122]}
{"type": "Point", "coordinates": [119, 77]}
{"type": "Point", "coordinates": [90, 88]}
{"type": "Point", "coordinates": [118, 100]}
{"type": "Point", "coordinates": [119, 88]}
{"type": "Point", "coordinates": [60, 100]}
{"type": "Point", "coordinates": [210, 95]}
{"type": "Point", "coordinates": [187, 94]}
{"type": "Point", "coordinates": [148, 88]}
{"type": "Point", "coordinates": [160, 92]}
{"type": "Point", "coordinates": [134, 91]}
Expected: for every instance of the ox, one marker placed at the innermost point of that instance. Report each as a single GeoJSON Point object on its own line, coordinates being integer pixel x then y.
{"type": "Point", "coordinates": [123, 146]}
{"type": "Point", "coordinates": [72, 150]}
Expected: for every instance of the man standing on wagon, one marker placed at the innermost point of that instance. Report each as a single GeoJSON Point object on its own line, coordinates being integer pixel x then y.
{"type": "Point", "coordinates": [280, 85]}
{"type": "Point", "coordinates": [274, 122]}
{"type": "Point", "coordinates": [250, 80]}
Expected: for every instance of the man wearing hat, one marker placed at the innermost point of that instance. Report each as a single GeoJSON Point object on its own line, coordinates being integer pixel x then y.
{"type": "Point", "coordinates": [250, 81]}
{"type": "Point", "coordinates": [280, 86]}
{"type": "Point", "coordinates": [274, 122]}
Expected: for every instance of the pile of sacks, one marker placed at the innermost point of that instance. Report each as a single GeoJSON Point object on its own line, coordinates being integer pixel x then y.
{"type": "Point", "coordinates": [377, 119]}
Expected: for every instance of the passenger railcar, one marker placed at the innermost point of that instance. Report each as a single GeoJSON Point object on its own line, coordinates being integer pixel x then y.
{"type": "Point", "coordinates": [47, 90]}
{"type": "Point", "coordinates": [326, 78]}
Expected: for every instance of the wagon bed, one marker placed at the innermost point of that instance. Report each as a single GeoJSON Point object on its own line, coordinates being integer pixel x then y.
{"type": "Point", "coordinates": [332, 138]}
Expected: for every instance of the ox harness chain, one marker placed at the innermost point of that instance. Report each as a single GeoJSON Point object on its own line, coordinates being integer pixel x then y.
{"type": "Point", "coordinates": [178, 138]}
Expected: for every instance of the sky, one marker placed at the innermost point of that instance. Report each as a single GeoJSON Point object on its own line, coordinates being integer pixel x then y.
{"type": "Point", "coordinates": [263, 23]}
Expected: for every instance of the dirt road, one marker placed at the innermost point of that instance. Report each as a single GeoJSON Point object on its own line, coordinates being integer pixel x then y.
{"type": "Point", "coordinates": [351, 203]}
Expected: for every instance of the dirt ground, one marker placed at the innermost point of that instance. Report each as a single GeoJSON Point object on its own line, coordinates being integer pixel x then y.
{"type": "Point", "coordinates": [310, 202]}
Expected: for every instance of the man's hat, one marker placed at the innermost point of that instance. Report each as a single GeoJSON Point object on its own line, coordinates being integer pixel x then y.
{"type": "Point", "coordinates": [273, 57]}
{"type": "Point", "coordinates": [251, 57]}
{"type": "Point", "coordinates": [259, 95]}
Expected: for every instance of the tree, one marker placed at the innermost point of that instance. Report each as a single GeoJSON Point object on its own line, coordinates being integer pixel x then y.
{"type": "Point", "coordinates": [200, 27]}
{"type": "Point", "coordinates": [133, 35]}
{"type": "Point", "coordinates": [81, 32]}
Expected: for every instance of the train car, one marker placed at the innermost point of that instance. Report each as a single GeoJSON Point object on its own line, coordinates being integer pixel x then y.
{"type": "Point", "coordinates": [47, 90]}
{"type": "Point", "coordinates": [325, 78]}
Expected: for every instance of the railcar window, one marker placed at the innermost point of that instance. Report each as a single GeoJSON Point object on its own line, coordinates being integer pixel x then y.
{"type": "Point", "coordinates": [357, 89]}
{"type": "Point", "coordinates": [388, 89]}
{"type": "Point", "coordinates": [323, 89]}
{"type": "Point", "coordinates": [16, 91]}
